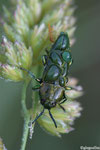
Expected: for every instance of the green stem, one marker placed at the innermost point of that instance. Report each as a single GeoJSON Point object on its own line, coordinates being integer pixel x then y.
{"type": "Point", "coordinates": [26, 116]}
{"type": "Point", "coordinates": [23, 99]}
{"type": "Point", "coordinates": [25, 133]}
{"type": "Point", "coordinates": [37, 71]}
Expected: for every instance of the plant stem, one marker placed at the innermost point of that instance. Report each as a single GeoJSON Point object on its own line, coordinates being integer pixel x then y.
{"type": "Point", "coordinates": [23, 99]}
{"type": "Point", "coordinates": [26, 116]}
{"type": "Point", "coordinates": [25, 132]}
{"type": "Point", "coordinates": [37, 71]}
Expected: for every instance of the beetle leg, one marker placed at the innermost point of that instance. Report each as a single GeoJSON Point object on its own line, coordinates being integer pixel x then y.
{"type": "Point", "coordinates": [79, 88]}
{"type": "Point", "coordinates": [31, 75]}
{"type": "Point", "coordinates": [68, 88]}
{"type": "Point", "coordinates": [44, 59]}
{"type": "Point", "coordinates": [35, 89]}
{"type": "Point", "coordinates": [38, 116]}
{"type": "Point", "coordinates": [62, 107]}
{"type": "Point", "coordinates": [47, 51]}
{"type": "Point", "coordinates": [52, 118]}
{"type": "Point", "coordinates": [63, 101]}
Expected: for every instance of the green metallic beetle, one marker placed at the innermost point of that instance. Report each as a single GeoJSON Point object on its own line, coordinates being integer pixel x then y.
{"type": "Point", "coordinates": [53, 83]}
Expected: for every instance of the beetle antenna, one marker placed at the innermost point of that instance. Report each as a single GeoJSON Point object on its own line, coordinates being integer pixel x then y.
{"type": "Point", "coordinates": [38, 116]}
{"type": "Point", "coordinates": [31, 74]}
{"type": "Point", "coordinates": [52, 118]}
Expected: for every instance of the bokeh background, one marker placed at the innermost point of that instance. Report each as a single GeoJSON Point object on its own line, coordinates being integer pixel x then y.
{"type": "Point", "coordinates": [86, 68]}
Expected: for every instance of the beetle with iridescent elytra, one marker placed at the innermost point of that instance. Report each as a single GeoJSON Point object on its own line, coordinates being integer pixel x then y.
{"type": "Point", "coordinates": [55, 75]}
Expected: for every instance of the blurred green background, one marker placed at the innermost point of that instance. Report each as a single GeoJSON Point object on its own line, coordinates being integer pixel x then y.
{"type": "Point", "coordinates": [86, 53]}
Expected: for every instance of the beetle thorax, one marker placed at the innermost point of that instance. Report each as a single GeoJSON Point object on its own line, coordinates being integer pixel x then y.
{"type": "Point", "coordinates": [50, 94]}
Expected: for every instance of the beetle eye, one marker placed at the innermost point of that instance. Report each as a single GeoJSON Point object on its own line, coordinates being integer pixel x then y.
{"type": "Point", "coordinates": [53, 103]}
{"type": "Point", "coordinates": [43, 101]}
